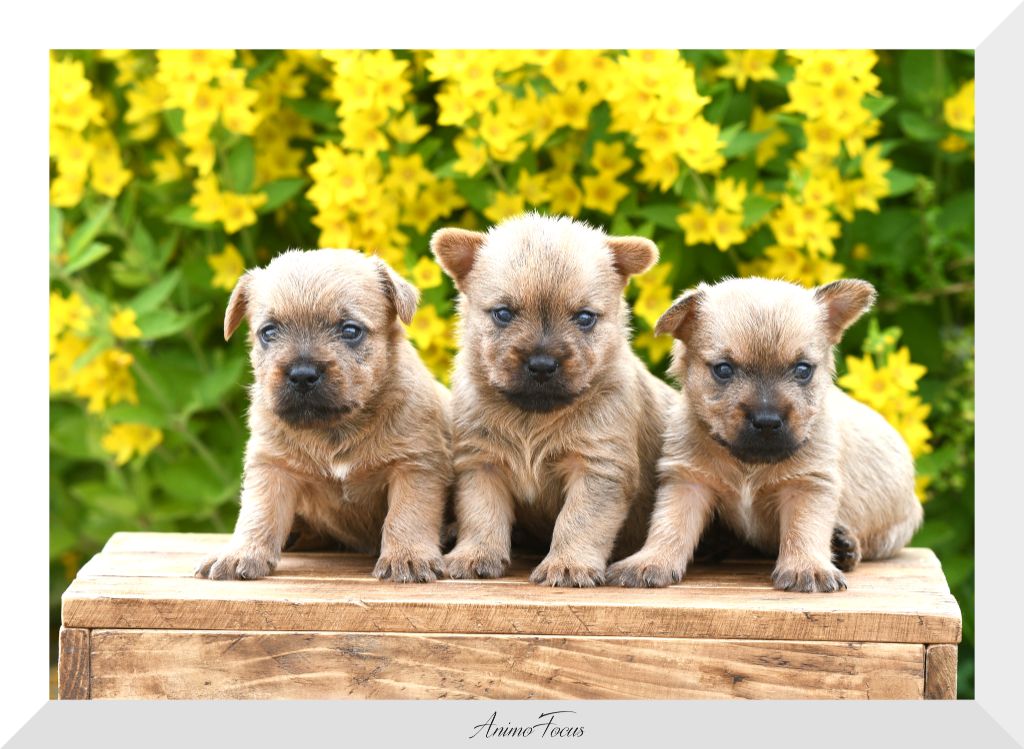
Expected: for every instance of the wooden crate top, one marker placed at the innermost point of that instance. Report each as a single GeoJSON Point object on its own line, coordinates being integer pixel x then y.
{"type": "Point", "coordinates": [144, 581]}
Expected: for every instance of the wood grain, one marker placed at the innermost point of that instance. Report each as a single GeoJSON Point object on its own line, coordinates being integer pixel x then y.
{"type": "Point", "coordinates": [73, 664]}
{"type": "Point", "coordinates": [329, 665]}
{"type": "Point", "coordinates": [903, 600]}
{"type": "Point", "coordinates": [940, 672]}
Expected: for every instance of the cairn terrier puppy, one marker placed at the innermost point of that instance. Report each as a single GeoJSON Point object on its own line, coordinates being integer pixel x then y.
{"type": "Point", "coordinates": [762, 437]}
{"type": "Point", "coordinates": [559, 424]}
{"type": "Point", "coordinates": [350, 435]}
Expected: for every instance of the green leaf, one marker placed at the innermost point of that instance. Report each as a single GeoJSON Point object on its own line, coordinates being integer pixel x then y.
{"type": "Point", "coordinates": [86, 232]}
{"type": "Point", "coordinates": [660, 214]}
{"type": "Point", "coordinates": [742, 143]}
{"type": "Point", "coordinates": [91, 254]}
{"type": "Point", "coordinates": [105, 499]}
{"type": "Point", "coordinates": [182, 215]}
{"type": "Point", "coordinates": [319, 111]}
{"type": "Point", "coordinates": [477, 192]}
{"type": "Point", "coordinates": [900, 182]}
{"type": "Point", "coordinates": [878, 105]}
{"type": "Point", "coordinates": [211, 389]}
{"type": "Point", "coordinates": [138, 413]}
{"type": "Point", "coordinates": [241, 166]}
{"type": "Point", "coordinates": [162, 323]}
{"type": "Point", "coordinates": [922, 74]}
{"type": "Point", "coordinates": [151, 298]}
{"type": "Point", "coordinates": [755, 208]}
{"type": "Point", "coordinates": [917, 127]}
{"type": "Point", "coordinates": [191, 480]}
{"type": "Point", "coordinates": [56, 231]}
{"type": "Point", "coordinates": [280, 192]}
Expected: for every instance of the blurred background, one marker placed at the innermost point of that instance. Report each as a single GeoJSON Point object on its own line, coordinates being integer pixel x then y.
{"type": "Point", "coordinates": [173, 171]}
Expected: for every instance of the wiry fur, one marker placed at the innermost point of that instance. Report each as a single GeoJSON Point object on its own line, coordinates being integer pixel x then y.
{"type": "Point", "coordinates": [580, 475]}
{"type": "Point", "coordinates": [371, 465]}
{"type": "Point", "coordinates": [848, 485]}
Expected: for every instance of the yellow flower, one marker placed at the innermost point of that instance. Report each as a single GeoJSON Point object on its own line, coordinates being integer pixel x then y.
{"type": "Point", "coordinates": [696, 224]}
{"type": "Point", "coordinates": [602, 192]}
{"type": "Point", "coordinates": [953, 143]}
{"type": "Point", "coordinates": [124, 441]}
{"type": "Point", "coordinates": [725, 228]}
{"type": "Point", "coordinates": [958, 109]}
{"type": "Point", "coordinates": [426, 274]}
{"type": "Point", "coordinates": [610, 158]}
{"type": "Point", "coordinates": [651, 303]}
{"type": "Point", "coordinates": [566, 196]}
{"type": "Point", "coordinates": [921, 487]}
{"type": "Point", "coordinates": [749, 65]}
{"type": "Point", "coordinates": [227, 266]}
{"type": "Point", "coordinates": [872, 386]}
{"type": "Point", "coordinates": [123, 324]}
{"type": "Point", "coordinates": [472, 156]}
{"type": "Point", "coordinates": [239, 211]}
{"type": "Point", "coordinates": [426, 326]}
{"type": "Point", "coordinates": [504, 205]}
{"type": "Point", "coordinates": [903, 372]}
{"type": "Point", "coordinates": [768, 146]}
{"type": "Point", "coordinates": [404, 128]}
{"type": "Point", "coordinates": [730, 194]}
{"type": "Point", "coordinates": [657, 347]}
{"type": "Point", "coordinates": [533, 188]}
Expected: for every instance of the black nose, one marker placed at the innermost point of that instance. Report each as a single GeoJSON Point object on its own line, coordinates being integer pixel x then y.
{"type": "Point", "coordinates": [766, 420]}
{"type": "Point", "coordinates": [304, 377]}
{"type": "Point", "coordinates": [541, 366]}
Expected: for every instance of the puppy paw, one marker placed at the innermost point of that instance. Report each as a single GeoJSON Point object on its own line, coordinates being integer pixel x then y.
{"type": "Point", "coordinates": [468, 562]}
{"type": "Point", "coordinates": [409, 565]}
{"type": "Point", "coordinates": [845, 549]}
{"type": "Point", "coordinates": [567, 573]}
{"type": "Point", "coordinates": [808, 577]}
{"type": "Point", "coordinates": [644, 571]}
{"type": "Point", "coordinates": [238, 564]}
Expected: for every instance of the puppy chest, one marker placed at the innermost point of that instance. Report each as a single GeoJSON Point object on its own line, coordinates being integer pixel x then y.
{"type": "Point", "coordinates": [751, 516]}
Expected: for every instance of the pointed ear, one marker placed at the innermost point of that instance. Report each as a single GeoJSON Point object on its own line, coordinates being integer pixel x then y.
{"type": "Point", "coordinates": [456, 250]}
{"type": "Point", "coordinates": [403, 295]}
{"type": "Point", "coordinates": [632, 255]}
{"type": "Point", "coordinates": [238, 305]}
{"type": "Point", "coordinates": [844, 301]}
{"type": "Point", "coordinates": [678, 320]}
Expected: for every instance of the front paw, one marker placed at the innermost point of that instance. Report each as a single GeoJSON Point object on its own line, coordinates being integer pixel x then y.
{"type": "Point", "coordinates": [645, 571]}
{"type": "Point", "coordinates": [567, 573]}
{"type": "Point", "coordinates": [468, 562]}
{"type": "Point", "coordinates": [808, 577]}
{"type": "Point", "coordinates": [238, 564]}
{"type": "Point", "coordinates": [409, 565]}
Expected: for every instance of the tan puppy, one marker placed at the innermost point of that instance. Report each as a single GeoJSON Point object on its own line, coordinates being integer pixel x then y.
{"type": "Point", "coordinates": [558, 423]}
{"type": "Point", "coordinates": [350, 434]}
{"type": "Point", "coordinates": [763, 437]}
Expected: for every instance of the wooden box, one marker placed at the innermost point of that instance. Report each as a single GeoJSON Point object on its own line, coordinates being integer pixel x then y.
{"type": "Point", "coordinates": [136, 624]}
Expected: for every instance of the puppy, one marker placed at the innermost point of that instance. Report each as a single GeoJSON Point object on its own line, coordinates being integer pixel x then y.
{"type": "Point", "coordinates": [350, 434]}
{"type": "Point", "coordinates": [559, 424]}
{"type": "Point", "coordinates": [762, 437]}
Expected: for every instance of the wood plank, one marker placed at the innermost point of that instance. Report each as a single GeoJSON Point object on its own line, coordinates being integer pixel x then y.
{"type": "Point", "coordinates": [73, 664]}
{"type": "Point", "coordinates": [483, 607]}
{"type": "Point", "coordinates": [331, 665]}
{"type": "Point", "coordinates": [940, 672]}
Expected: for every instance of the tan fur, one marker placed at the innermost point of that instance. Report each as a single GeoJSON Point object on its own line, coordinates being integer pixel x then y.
{"type": "Point", "coordinates": [581, 475]}
{"type": "Point", "coordinates": [852, 472]}
{"type": "Point", "coordinates": [372, 472]}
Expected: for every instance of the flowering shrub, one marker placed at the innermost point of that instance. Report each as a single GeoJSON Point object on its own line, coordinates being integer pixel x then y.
{"type": "Point", "coordinates": [173, 171]}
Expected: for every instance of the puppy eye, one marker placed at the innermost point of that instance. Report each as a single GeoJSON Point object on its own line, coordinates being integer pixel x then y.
{"type": "Point", "coordinates": [723, 371]}
{"type": "Point", "coordinates": [585, 319]}
{"type": "Point", "coordinates": [350, 332]}
{"type": "Point", "coordinates": [502, 316]}
{"type": "Point", "coordinates": [268, 333]}
{"type": "Point", "coordinates": [803, 371]}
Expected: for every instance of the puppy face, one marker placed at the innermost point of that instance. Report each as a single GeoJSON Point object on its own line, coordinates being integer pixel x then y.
{"type": "Point", "coordinates": [542, 309]}
{"type": "Point", "coordinates": [757, 361]}
{"type": "Point", "coordinates": [322, 327]}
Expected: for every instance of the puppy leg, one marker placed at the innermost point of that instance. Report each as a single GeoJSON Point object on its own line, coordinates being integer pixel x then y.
{"type": "Point", "coordinates": [807, 516]}
{"type": "Point", "coordinates": [590, 519]}
{"type": "Point", "coordinates": [484, 512]}
{"type": "Point", "coordinates": [845, 549]}
{"type": "Point", "coordinates": [410, 539]}
{"type": "Point", "coordinates": [264, 521]}
{"type": "Point", "coordinates": [681, 512]}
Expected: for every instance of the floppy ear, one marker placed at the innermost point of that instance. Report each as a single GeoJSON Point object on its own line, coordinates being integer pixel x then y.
{"type": "Point", "coordinates": [238, 305]}
{"type": "Point", "coordinates": [456, 250]}
{"type": "Point", "coordinates": [403, 295]}
{"type": "Point", "coordinates": [632, 255]}
{"type": "Point", "coordinates": [844, 302]}
{"type": "Point", "coordinates": [678, 319]}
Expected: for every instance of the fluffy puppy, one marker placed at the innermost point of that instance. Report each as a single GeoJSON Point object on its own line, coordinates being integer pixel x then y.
{"type": "Point", "coordinates": [763, 437]}
{"type": "Point", "coordinates": [350, 434]}
{"type": "Point", "coordinates": [558, 425]}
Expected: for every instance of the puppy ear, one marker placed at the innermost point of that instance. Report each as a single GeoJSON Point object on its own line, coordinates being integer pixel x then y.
{"type": "Point", "coordinates": [238, 305]}
{"type": "Point", "coordinates": [632, 255]}
{"type": "Point", "coordinates": [403, 295]}
{"type": "Point", "coordinates": [456, 250]}
{"type": "Point", "coordinates": [678, 319]}
{"type": "Point", "coordinates": [844, 302]}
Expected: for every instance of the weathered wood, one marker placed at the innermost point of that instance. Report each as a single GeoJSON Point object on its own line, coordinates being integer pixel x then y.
{"type": "Point", "coordinates": [73, 664]}
{"type": "Point", "coordinates": [940, 672]}
{"type": "Point", "coordinates": [903, 600]}
{"type": "Point", "coordinates": [327, 665]}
